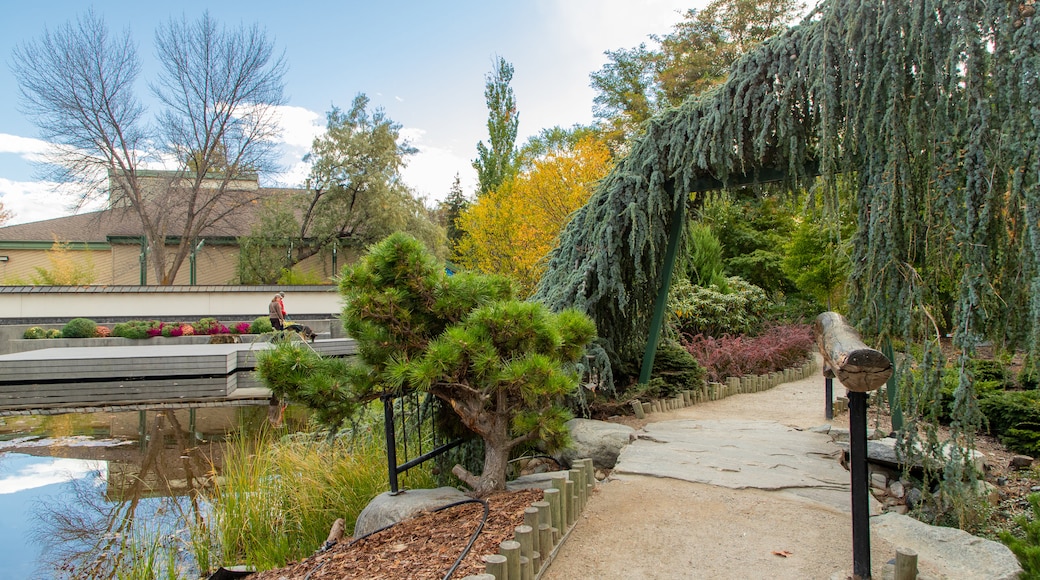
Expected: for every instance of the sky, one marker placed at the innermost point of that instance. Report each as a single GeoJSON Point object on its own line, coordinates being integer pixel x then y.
{"type": "Point", "coordinates": [423, 62]}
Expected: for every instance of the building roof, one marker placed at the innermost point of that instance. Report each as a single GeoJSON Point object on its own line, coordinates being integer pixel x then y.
{"type": "Point", "coordinates": [102, 226]}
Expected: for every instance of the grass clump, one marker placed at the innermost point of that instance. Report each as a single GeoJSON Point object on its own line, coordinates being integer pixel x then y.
{"type": "Point", "coordinates": [278, 499]}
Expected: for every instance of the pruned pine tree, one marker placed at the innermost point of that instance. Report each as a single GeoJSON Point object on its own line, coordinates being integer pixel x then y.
{"type": "Point", "coordinates": [927, 105]}
{"type": "Point", "coordinates": [504, 366]}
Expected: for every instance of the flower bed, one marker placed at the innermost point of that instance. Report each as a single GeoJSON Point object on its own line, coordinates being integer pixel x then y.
{"type": "Point", "coordinates": [86, 329]}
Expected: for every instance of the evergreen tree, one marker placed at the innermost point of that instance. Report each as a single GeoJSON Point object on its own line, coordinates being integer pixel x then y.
{"type": "Point", "coordinates": [498, 163]}
{"type": "Point", "coordinates": [504, 366]}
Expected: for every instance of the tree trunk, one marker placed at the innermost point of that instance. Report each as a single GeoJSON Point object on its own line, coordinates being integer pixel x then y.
{"type": "Point", "coordinates": [857, 366]}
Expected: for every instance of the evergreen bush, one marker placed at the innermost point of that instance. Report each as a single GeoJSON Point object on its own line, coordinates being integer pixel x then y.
{"type": "Point", "coordinates": [208, 326]}
{"type": "Point", "coordinates": [710, 311]}
{"type": "Point", "coordinates": [1026, 547]}
{"type": "Point", "coordinates": [79, 328]}
{"type": "Point", "coordinates": [261, 325]}
{"type": "Point", "coordinates": [53, 333]}
{"type": "Point", "coordinates": [34, 332]}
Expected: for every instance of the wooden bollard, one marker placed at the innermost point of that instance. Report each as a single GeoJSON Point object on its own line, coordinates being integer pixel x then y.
{"type": "Point", "coordinates": [511, 550]}
{"type": "Point", "coordinates": [687, 397]}
{"type": "Point", "coordinates": [571, 504]}
{"type": "Point", "coordinates": [524, 535]}
{"type": "Point", "coordinates": [531, 519]}
{"type": "Point", "coordinates": [495, 564]}
{"type": "Point", "coordinates": [480, 577]}
{"type": "Point", "coordinates": [555, 498]}
{"type": "Point", "coordinates": [578, 477]}
{"type": "Point", "coordinates": [647, 408]}
{"type": "Point", "coordinates": [526, 569]}
{"type": "Point", "coordinates": [638, 408]}
{"type": "Point", "coordinates": [590, 473]}
{"type": "Point", "coordinates": [545, 538]}
{"type": "Point", "coordinates": [560, 483]}
{"type": "Point", "coordinates": [906, 564]}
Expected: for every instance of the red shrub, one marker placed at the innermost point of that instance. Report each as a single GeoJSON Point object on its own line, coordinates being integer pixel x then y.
{"type": "Point", "coordinates": [775, 349]}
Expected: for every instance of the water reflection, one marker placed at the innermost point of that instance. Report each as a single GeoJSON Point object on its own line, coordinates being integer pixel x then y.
{"type": "Point", "coordinates": [112, 493]}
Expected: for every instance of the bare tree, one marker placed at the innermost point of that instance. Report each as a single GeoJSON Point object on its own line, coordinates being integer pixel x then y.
{"type": "Point", "coordinates": [218, 88]}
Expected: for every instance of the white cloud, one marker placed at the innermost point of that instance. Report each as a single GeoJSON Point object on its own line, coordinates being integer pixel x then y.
{"type": "Point", "coordinates": [431, 171]}
{"type": "Point", "coordinates": [299, 125]}
{"type": "Point", "coordinates": [50, 472]}
{"type": "Point", "coordinates": [33, 201]}
{"type": "Point", "coordinates": [613, 24]}
{"type": "Point", "coordinates": [26, 147]}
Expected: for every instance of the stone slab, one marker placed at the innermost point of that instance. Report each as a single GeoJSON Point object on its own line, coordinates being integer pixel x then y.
{"type": "Point", "coordinates": [741, 454]}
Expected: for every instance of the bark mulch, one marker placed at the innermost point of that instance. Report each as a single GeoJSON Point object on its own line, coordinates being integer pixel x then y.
{"type": "Point", "coordinates": [422, 548]}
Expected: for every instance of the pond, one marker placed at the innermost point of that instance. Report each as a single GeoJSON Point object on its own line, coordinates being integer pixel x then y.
{"type": "Point", "coordinates": [74, 487]}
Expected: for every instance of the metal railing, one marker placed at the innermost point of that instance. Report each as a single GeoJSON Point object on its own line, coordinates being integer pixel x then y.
{"type": "Point", "coordinates": [412, 433]}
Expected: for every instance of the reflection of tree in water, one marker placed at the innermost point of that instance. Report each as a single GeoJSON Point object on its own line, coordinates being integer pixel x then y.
{"type": "Point", "coordinates": [95, 535]}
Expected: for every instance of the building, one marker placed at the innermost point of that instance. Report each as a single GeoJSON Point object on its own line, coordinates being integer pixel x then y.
{"type": "Point", "coordinates": [110, 243]}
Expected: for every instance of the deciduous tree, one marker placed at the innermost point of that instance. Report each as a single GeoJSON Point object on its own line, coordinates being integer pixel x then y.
{"type": "Point", "coordinates": [510, 230]}
{"type": "Point", "coordinates": [496, 162]}
{"type": "Point", "coordinates": [354, 196]}
{"type": "Point", "coordinates": [218, 88]}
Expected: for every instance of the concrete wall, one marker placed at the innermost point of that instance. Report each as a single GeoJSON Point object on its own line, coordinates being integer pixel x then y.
{"type": "Point", "coordinates": [51, 307]}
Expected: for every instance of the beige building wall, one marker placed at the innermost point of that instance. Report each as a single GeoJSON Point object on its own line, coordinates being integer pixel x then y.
{"type": "Point", "coordinates": [121, 265]}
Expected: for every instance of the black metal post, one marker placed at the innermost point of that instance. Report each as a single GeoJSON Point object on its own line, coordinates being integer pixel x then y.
{"type": "Point", "coordinates": [860, 488]}
{"type": "Point", "coordinates": [829, 390]}
{"type": "Point", "coordinates": [391, 442]}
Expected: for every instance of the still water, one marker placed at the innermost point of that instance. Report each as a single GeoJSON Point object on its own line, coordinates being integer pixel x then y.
{"type": "Point", "coordinates": [71, 486]}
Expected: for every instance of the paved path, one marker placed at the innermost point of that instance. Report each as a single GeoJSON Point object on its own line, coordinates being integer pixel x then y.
{"type": "Point", "coordinates": [736, 488]}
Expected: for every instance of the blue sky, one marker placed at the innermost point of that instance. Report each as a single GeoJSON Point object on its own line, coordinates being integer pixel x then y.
{"type": "Point", "coordinates": [423, 62]}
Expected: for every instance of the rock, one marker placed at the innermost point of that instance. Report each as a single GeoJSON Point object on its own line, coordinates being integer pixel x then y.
{"type": "Point", "coordinates": [839, 435]}
{"type": "Point", "coordinates": [386, 509]}
{"type": "Point", "coordinates": [878, 480]}
{"type": "Point", "coordinates": [914, 497]}
{"type": "Point", "coordinates": [597, 440]}
{"type": "Point", "coordinates": [600, 475]}
{"type": "Point", "coordinates": [1002, 480]}
{"type": "Point", "coordinates": [900, 509]}
{"type": "Point", "coordinates": [951, 553]}
{"type": "Point", "coordinates": [884, 452]}
{"type": "Point", "coordinates": [1021, 462]}
{"type": "Point", "coordinates": [897, 490]}
{"type": "Point", "coordinates": [825, 429]}
{"type": "Point", "coordinates": [534, 480]}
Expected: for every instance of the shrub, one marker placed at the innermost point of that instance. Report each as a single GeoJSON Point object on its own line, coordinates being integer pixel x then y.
{"type": "Point", "coordinates": [53, 333]}
{"type": "Point", "coordinates": [187, 330]}
{"type": "Point", "coordinates": [79, 328]}
{"type": "Point", "coordinates": [35, 332]}
{"type": "Point", "coordinates": [1026, 546]}
{"type": "Point", "coordinates": [260, 325]}
{"type": "Point", "coordinates": [710, 311]}
{"type": "Point", "coordinates": [102, 331]}
{"type": "Point", "coordinates": [242, 327]}
{"type": "Point", "coordinates": [137, 329]}
{"type": "Point", "coordinates": [777, 348]}
{"type": "Point", "coordinates": [1014, 417]}
{"type": "Point", "coordinates": [678, 370]}
{"type": "Point", "coordinates": [166, 330]}
{"type": "Point", "coordinates": [208, 326]}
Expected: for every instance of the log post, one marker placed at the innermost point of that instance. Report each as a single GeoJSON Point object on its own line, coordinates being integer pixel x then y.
{"type": "Point", "coordinates": [906, 564]}
{"type": "Point", "coordinates": [860, 369]}
{"type": "Point", "coordinates": [495, 565]}
{"type": "Point", "coordinates": [511, 550]}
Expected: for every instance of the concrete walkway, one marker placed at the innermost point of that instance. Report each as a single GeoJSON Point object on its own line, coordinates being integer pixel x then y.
{"type": "Point", "coordinates": [740, 488]}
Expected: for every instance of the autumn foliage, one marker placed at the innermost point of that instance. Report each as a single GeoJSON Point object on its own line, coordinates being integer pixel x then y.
{"type": "Point", "coordinates": [777, 348]}
{"type": "Point", "coordinates": [510, 230]}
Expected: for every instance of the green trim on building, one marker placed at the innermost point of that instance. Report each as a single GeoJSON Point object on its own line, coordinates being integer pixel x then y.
{"type": "Point", "coordinates": [42, 245]}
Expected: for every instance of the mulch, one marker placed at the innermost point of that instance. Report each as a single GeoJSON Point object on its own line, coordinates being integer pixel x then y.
{"type": "Point", "coordinates": [421, 548]}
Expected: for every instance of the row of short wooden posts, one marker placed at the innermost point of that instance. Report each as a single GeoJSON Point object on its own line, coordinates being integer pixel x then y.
{"type": "Point", "coordinates": [733, 386]}
{"type": "Point", "coordinates": [546, 524]}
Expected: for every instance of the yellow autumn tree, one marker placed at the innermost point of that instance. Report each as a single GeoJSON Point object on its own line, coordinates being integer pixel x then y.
{"type": "Point", "coordinates": [68, 267]}
{"type": "Point", "coordinates": [510, 230]}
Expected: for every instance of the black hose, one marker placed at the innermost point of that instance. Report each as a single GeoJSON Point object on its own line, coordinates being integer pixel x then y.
{"type": "Point", "coordinates": [458, 561]}
{"type": "Point", "coordinates": [473, 538]}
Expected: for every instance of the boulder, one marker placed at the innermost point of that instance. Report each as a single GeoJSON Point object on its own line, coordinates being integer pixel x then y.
{"type": "Point", "coordinates": [388, 509]}
{"type": "Point", "coordinates": [947, 552]}
{"type": "Point", "coordinates": [884, 452]}
{"type": "Point", "coordinates": [597, 440]}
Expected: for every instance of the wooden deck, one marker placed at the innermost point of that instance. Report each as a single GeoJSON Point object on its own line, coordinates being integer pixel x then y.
{"type": "Point", "coordinates": [88, 378]}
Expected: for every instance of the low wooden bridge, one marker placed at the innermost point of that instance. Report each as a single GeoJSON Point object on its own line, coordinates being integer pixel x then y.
{"type": "Point", "coordinates": [110, 378]}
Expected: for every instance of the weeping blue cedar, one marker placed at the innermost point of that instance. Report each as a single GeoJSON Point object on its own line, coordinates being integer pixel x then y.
{"type": "Point", "coordinates": [930, 107]}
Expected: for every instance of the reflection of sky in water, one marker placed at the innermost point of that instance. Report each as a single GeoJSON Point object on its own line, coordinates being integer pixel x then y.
{"type": "Point", "coordinates": [26, 481]}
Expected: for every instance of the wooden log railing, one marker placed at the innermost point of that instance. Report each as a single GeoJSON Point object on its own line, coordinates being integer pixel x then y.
{"type": "Point", "coordinates": [859, 367]}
